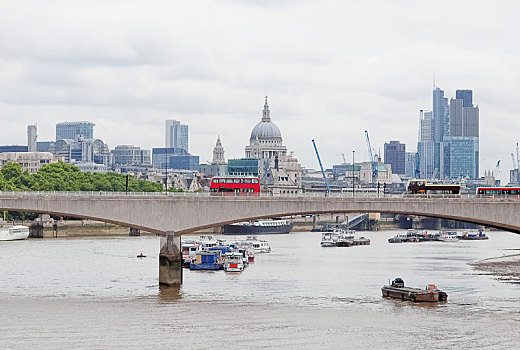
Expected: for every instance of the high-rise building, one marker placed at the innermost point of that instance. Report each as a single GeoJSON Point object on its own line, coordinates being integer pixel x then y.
{"type": "Point", "coordinates": [460, 150]}
{"type": "Point", "coordinates": [176, 135]}
{"type": "Point", "coordinates": [32, 136]}
{"type": "Point", "coordinates": [411, 164]}
{"type": "Point", "coordinates": [426, 145]}
{"type": "Point", "coordinates": [441, 117]}
{"type": "Point", "coordinates": [395, 156]}
{"type": "Point", "coordinates": [74, 130]}
{"type": "Point", "coordinates": [466, 96]}
{"type": "Point", "coordinates": [218, 153]}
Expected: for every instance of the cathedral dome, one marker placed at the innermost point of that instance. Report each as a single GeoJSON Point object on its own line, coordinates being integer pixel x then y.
{"type": "Point", "coordinates": [266, 129]}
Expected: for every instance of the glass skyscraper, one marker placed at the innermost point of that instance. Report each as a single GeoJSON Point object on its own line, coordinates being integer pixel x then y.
{"type": "Point", "coordinates": [460, 150]}
{"type": "Point", "coordinates": [176, 135]}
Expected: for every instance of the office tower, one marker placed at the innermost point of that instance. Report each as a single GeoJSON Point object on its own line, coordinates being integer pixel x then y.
{"type": "Point", "coordinates": [176, 135]}
{"type": "Point", "coordinates": [395, 156]}
{"type": "Point", "coordinates": [426, 145]}
{"type": "Point", "coordinates": [441, 119]}
{"type": "Point", "coordinates": [32, 136]}
{"type": "Point", "coordinates": [411, 164]}
{"type": "Point", "coordinates": [466, 96]}
{"type": "Point", "coordinates": [74, 130]}
{"type": "Point", "coordinates": [460, 151]}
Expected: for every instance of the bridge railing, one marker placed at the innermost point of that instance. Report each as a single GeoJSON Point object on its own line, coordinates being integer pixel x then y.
{"type": "Point", "coordinates": [244, 195]}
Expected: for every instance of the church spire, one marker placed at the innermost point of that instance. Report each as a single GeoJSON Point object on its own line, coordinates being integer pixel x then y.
{"type": "Point", "coordinates": [266, 117]}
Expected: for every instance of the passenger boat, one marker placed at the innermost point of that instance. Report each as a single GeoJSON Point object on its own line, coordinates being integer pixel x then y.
{"type": "Point", "coordinates": [13, 233]}
{"type": "Point", "coordinates": [258, 227]}
{"type": "Point", "coordinates": [448, 237]}
{"type": "Point", "coordinates": [397, 290]}
{"type": "Point", "coordinates": [206, 261]}
{"type": "Point", "coordinates": [233, 262]}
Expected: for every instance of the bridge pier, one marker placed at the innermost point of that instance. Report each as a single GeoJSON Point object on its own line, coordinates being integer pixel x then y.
{"type": "Point", "coordinates": [170, 260]}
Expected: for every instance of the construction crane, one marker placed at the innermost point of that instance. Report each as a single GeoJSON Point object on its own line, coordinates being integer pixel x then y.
{"type": "Point", "coordinates": [321, 166]}
{"type": "Point", "coordinates": [497, 169]}
{"type": "Point", "coordinates": [373, 160]}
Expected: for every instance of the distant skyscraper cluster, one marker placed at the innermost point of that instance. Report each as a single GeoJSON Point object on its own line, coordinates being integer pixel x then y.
{"type": "Point", "coordinates": [448, 143]}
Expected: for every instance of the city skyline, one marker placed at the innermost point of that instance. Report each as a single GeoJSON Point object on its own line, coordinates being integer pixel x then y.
{"type": "Point", "coordinates": [128, 82]}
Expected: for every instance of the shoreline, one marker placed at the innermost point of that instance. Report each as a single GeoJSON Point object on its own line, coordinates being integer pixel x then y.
{"type": "Point", "coordinates": [504, 268]}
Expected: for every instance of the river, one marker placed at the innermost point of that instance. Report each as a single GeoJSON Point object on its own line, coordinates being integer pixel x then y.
{"type": "Point", "coordinates": [95, 294]}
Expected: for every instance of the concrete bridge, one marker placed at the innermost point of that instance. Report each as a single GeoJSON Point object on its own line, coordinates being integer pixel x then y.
{"type": "Point", "coordinates": [175, 214]}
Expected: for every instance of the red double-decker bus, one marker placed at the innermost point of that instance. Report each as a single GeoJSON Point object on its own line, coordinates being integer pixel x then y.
{"type": "Point", "coordinates": [235, 186]}
{"type": "Point", "coordinates": [498, 192]}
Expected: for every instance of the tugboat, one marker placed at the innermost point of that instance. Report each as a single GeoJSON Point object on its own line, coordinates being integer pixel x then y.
{"type": "Point", "coordinates": [397, 290]}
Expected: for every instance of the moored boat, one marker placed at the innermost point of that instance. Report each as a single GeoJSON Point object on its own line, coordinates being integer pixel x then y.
{"type": "Point", "coordinates": [13, 233]}
{"type": "Point", "coordinates": [258, 227]}
{"type": "Point", "coordinates": [474, 236]}
{"type": "Point", "coordinates": [206, 261]}
{"type": "Point", "coordinates": [345, 237]}
{"type": "Point", "coordinates": [397, 290]}
{"type": "Point", "coordinates": [410, 236]}
{"type": "Point", "coordinates": [328, 239]}
{"type": "Point", "coordinates": [255, 244]}
{"type": "Point", "coordinates": [233, 262]}
{"type": "Point", "coordinates": [447, 237]}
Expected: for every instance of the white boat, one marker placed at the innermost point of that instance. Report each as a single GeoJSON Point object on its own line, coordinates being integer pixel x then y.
{"type": "Point", "coordinates": [207, 242]}
{"type": "Point", "coordinates": [189, 252]}
{"type": "Point", "coordinates": [329, 239]}
{"type": "Point", "coordinates": [14, 233]}
{"type": "Point", "coordinates": [258, 227]}
{"type": "Point", "coordinates": [257, 245]}
{"type": "Point", "coordinates": [233, 262]}
{"type": "Point", "coordinates": [448, 237]}
{"type": "Point", "coordinates": [345, 237]}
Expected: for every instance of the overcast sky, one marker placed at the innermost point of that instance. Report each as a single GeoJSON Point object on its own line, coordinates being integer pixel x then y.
{"type": "Point", "coordinates": [331, 69]}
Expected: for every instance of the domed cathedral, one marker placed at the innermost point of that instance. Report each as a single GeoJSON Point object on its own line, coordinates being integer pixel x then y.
{"type": "Point", "coordinates": [284, 173]}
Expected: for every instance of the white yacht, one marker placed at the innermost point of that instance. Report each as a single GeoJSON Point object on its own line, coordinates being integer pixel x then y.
{"type": "Point", "coordinates": [14, 233]}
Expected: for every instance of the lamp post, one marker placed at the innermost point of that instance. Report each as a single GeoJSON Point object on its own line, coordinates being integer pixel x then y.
{"type": "Point", "coordinates": [353, 173]}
